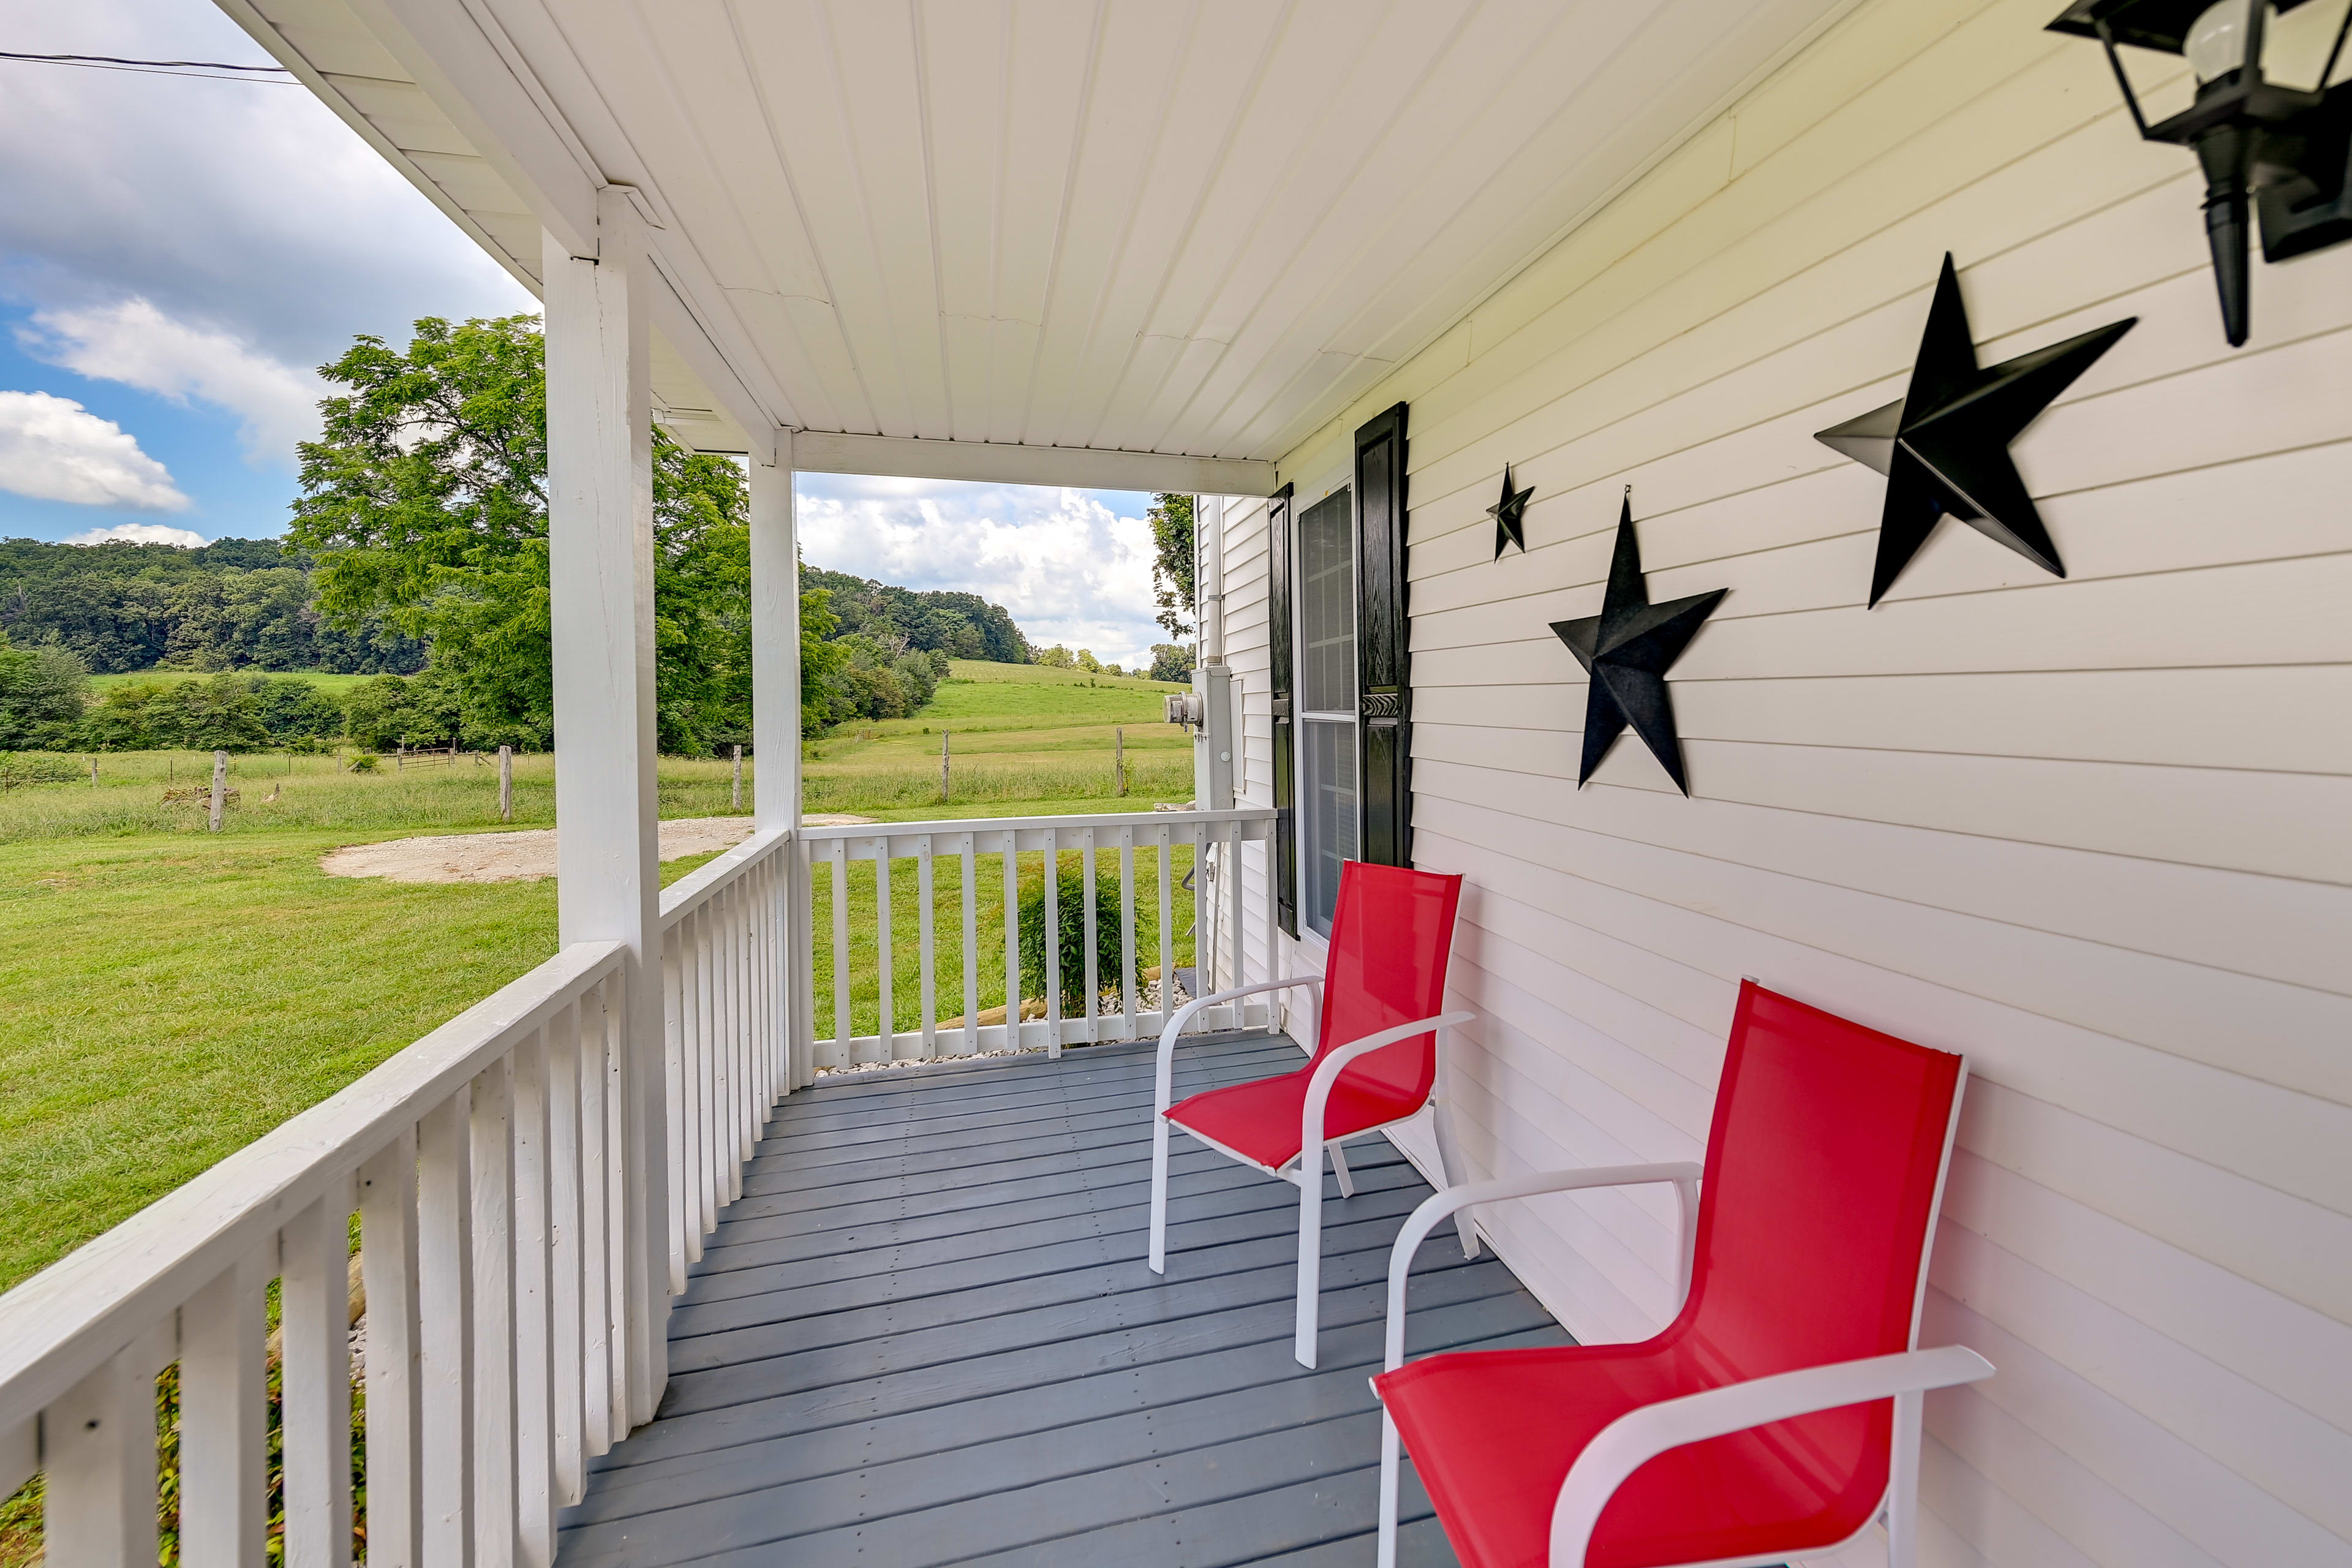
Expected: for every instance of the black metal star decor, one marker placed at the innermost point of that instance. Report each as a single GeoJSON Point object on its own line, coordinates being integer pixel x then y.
{"type": "Point", "coordinates": [1508, 515]}
{"type": "Point", "coordinates": [1944, 445]}
{"type": "Point", "coordinates": [1627, 649]}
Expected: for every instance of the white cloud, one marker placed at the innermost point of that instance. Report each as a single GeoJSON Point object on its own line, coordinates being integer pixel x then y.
{"type": "Point", "coordinates": [140, 533]}
{"type": "Point", "coordinates": [1069, 568]}
{"type": "Point", "coordinates": [52, 449]}
{"type": "Point", "coordinates": [244, 205]}
{"type": "Point", "coordinates": [133, 343]}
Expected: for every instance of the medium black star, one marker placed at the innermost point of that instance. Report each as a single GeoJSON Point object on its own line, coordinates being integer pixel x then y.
{"type": "Point", "coordinates": [1627, 649]}
{"type": "Point", "coordinates": [1508, 513]}
{"type": "Point", "coordinates": [1944, 445]}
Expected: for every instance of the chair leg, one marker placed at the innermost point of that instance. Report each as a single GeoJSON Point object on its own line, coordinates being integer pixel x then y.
{"type": "Point", "coordinates": [1449, 1163]}
{"type": "Point", "coordinates": [1903, 1484]}
{"type": "Point", "coordinates": [1339, 1169]}
{"type": "Point", "coordinates": [1311, 1252]}
{"type": "Point", "coordinates": [1158, 1256]}
{"type": "Point", "coordinates": [1390, 1446]}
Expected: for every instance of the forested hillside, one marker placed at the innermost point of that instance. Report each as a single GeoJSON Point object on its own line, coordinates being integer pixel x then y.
{"type": "Point", "coordinates": [237, 604]}
{"type": "Point", "coordinates": [961, 626]}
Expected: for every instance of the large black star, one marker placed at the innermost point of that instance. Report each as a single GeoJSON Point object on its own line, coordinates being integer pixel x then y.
{"type": "Point", "coordinates": [1944, 445]}
{"type": "Point", "coordinates": [1508, 514]}
{"type": "Point", "coordinates": [1627, 649]}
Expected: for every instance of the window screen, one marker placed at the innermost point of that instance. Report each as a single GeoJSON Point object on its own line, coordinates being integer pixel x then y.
{"type": "Point", "coordinates": [1327, 702]}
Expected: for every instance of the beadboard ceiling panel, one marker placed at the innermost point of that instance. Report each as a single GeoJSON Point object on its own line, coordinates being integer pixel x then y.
{"type": "Point", "coordinates": [1145, 225]}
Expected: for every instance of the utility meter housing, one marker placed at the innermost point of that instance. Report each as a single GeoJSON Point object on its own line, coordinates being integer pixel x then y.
{"type": "Point", "coordinates": [1211, 708]}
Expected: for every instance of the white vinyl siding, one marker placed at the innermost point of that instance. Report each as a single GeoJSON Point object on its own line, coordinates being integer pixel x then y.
{"type": "Point", "coordinates": [2091, 832]}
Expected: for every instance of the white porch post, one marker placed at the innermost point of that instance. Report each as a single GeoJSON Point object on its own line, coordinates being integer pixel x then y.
{"type": "Point", "coordinates": [776, 720]}
{"type": "Point", "coordinates": [601, 577]}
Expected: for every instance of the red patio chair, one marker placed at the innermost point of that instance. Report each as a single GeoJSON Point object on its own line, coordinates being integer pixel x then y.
{"type": "Point", "coordinates": [1780, 1408]}
{"type": "Point", "coordinates": [1375, 1061]}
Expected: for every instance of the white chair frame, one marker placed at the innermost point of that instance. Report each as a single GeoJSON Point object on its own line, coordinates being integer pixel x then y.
{"type": "Point", "coordinates": [1634, 1438]}
{"type": "Point", "coordinates": [1302, 1173]}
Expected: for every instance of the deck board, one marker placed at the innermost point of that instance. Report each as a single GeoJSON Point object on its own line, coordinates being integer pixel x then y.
{"type": "Point", "coordinates": [925, 1335]}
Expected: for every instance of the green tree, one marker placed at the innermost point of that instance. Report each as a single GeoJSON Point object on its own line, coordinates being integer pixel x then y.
{"type": "Point", "coordinates": [1171, 662]}
{"type": "Point", "coordinates": [42, 691]}
{"type": "Point", "coordinates": [1171, 563]}
{"type": "Point", "coordinates": [1056, 658]}
{"type": "Point", "coordinates": [424, 502]}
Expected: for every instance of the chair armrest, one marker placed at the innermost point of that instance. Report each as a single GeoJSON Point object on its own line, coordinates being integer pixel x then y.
{"type": "Point", "coordinates": [1634, 1438]}
{"type": "Point", "coordinates": [1335, 1062]}
{"type": "Point", "coordinates": [1682, 1174]}
{"type": "Point", "coordinates": [1162, 1079]}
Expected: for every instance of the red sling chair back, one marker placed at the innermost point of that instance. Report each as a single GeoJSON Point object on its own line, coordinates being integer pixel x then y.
{"type": "Point", "coordinates": [1391, 935]}
{"type": "Point", "coordinates": [1824, 1172]}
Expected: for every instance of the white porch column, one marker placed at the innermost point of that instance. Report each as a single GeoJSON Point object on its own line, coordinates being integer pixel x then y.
{"type": "Point", "coordinates": [775, 641]}
{"type": "Point", "coordinates": [601, 577]}
{"type": "Point", "coordinates": [776, 722]}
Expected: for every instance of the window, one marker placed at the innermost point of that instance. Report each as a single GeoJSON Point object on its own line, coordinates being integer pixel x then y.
{"type": "Point", "coordinates": [1327, 703]}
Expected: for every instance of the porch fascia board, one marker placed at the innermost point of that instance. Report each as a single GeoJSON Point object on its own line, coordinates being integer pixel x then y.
{"type": "Point", "coordinates": [1004, 463]}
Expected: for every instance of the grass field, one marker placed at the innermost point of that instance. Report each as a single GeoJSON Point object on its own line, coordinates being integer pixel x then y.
{"type": "Point", "coordinates": [332, 682]}
{"type": "Point", "coordinates": [173, 994]}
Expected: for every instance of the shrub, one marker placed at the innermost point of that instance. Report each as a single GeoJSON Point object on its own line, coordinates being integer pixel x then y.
{"type": "Point", "coordinates": [1070, 915]}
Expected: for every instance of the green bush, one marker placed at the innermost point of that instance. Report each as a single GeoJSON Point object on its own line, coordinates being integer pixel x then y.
{"type": "Point", "coordinates": [1070, 915]}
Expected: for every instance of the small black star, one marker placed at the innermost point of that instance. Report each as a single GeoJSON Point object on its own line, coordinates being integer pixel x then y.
{"type": "Point", "coordinates": [1508, 513]}
{"type": "Point", "coordinates": [1944, 445]}
{"type": "Point", "coordinates": [1627, 649]}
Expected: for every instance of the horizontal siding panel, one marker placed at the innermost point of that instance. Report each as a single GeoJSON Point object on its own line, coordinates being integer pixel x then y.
{"type": "Point", "coordinates": [2269, 824]}
{"type": "Point", "coordinates": [2190, 1015]}
{"type": "Point", "coordinates": [1789, 932]}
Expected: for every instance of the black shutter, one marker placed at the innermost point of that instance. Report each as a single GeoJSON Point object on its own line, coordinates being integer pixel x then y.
{"type": "Point", "coordinates": [1286, 732]}
{"type": "Point", "coordinates": [1383, 680]}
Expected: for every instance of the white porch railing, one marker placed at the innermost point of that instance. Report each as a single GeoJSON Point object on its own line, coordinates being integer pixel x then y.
{"type": "Point", "coordinates": [983, 934]}
{"type": "Point", "coordinates": [489, 1164]}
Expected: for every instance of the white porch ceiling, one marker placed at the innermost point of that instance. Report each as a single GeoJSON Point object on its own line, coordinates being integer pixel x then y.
{"type": "Point", "coordinates": [1178, 227]}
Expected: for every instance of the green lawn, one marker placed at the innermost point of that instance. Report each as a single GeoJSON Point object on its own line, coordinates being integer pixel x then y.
{"type": "Point", "coordinates": [173, 994]}
{"type": "Point", "coordinates": [332, 682]}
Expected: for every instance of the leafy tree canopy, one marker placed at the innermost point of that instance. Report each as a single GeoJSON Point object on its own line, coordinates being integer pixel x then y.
{"type": "Point", "coordinates": [1171, 565]}
{"type": "Point", "coordinates": [425, 501]}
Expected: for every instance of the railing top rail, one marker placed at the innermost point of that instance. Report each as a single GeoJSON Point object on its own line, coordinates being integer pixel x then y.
{"type": "Point", "coordinates": [1237, 814]}
{"type": "Point", "coordinates": [60, 1325]}
{"type": "Point", "coordinates": [690, 890]}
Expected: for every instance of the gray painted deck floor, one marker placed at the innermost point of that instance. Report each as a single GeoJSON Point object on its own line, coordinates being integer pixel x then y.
{"type": "Point", "coordinates": [926, 1334]}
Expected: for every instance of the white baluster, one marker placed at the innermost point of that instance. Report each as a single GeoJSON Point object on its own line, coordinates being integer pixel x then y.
{"type": "Point", "coordinates": [924, 921]}
{"type": "Point", "coordinates": [314, 1312]}
{"type": "Point", "coordinates": [887, 1024]}
{"type": "Point", "coordinates": [1167, 926]}
{"type": "Point", "coordinates": [838, 852]}
{"type": "Point", "coordinates": [1053, 935]}
{"type": "Point", "coordinates": [534, 1397]}
{"type": "Point", "coordinates": [620, 1181]}
{"type": "Point", "coordinates": [971, 950]}
{"type": "Point", "coordinates": [99, 1448]}
{"type": "Point", "coordinates": [1126, 932]}
{"type": "Point", "coordinates": [596, 1431]}
{"type": "Point", "coordinates": [395, 1426]}
{"type": "Point", "coordinates": [492, 1156]}
{"type": "Point", "coordinates": [445, 1258]}
{"type": "Point", "coordinates": [1012, 942]}
{"type": "Point", "coordinates": [1093, 963]}
{"type": "Point", "coordinates": [565, 1261]}
{"type": "Point", "coordinates": [678, 1072]}
{"type": "Point", "coordinates": [224, 1418]}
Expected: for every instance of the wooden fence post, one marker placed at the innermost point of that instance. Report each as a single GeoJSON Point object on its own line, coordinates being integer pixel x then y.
{"type": "Point", "coordinates": [220, 786]}
{"type": "Point", "coordinates": [93, 772]}
{"type": "Point", "coordinates": [735, 794]}
{"type": "Point", "coordinates": [506, 783]}
{"type": "Point", "coordinates": [943, 767]}
{"type": "Point", "coordinates": [400, 759]}
{"type": "Point", "coordinates": [1118, 756]}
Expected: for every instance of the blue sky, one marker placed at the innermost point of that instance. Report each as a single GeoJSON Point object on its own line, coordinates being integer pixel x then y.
{"type": "Point", "coordinates": [176, 256]}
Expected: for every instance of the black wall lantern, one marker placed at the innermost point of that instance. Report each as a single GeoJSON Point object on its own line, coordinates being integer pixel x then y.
{"type": "Point", "coordinates": [2283, 148]}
